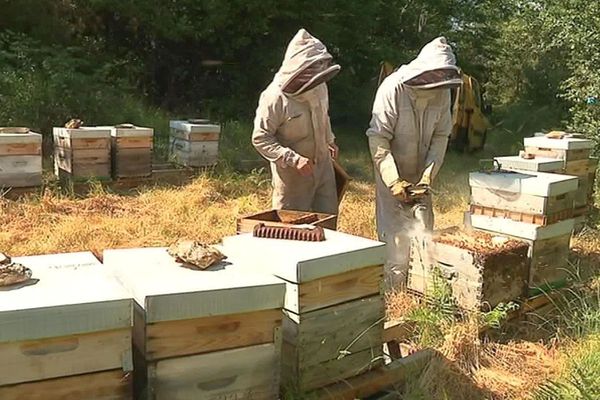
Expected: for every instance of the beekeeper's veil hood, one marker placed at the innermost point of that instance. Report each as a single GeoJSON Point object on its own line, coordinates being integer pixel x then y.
{"type": "Point", "coordinates": [435, 59]}
{"type": "Point", "coordinates": [306, 64]}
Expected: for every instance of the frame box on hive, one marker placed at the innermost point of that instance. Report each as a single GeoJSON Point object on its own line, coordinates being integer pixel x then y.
{"type": "Point", "coordinates": [246, 224]}
{"type": "Point", "coordinates": [131, 152]}
{"type": "Point", "coordinates": [194, 145]}
{"type": "Point", "coordinates": [334, 309]}
{"type": "Point", "coordinates": [480, 272]}
{"type": "Point", "coordinates": [82, 153]}
{"type": "Point", "coordinates": [210, 334]}
{"type": "Point", "coordinates": [20, 158]}
{"type": "Point", "coordinates": [67, 333]}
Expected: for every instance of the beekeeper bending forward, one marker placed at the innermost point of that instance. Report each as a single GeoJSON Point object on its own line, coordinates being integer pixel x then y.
{"type": "Point", "coordinates": [292, 128]}
{"type": "Point", "coordinates": [408, 134]}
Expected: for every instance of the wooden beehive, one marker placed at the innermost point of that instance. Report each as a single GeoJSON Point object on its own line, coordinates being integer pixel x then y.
{"type": "Point", "coordinates": [480, 270]}
{"type": "Point", "coordinates": [334, 308]}
{"type": "Point", "coordinates": [67, 333]}
{"type": "Point", "coordinates": [194, 145]}
{"type": "Point", "coordinates": [524, 196]}
{"type": "Point", "coordinates": [131, 150]}
{"type": "Point", "coordinates": [83, 153]}
{"type": "Point", "coordinates": [245, 224]}
{"type": "Point", "coordinates": [210, 334]}
{"type": "Point", "coordinates": [20, 158]}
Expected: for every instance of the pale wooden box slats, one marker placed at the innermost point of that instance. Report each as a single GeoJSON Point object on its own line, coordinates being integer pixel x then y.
{"type": "Point", "coordinates": [246, 223]}
{"type": "Point", "coordinates": [20, 159]}
{"type": "Point", "coordinates": [479, 278]}
{"type": "Point", "coordinates": [51, 331]}
{"type": "Point", "coordinates": [131, 150]}
{"type": "Point", "coordinates": [198, 334]}
{"type": "Point", "coordinates": [194, 145]}
{"type": "Point", "coordinates": [333, 306]}
{"type": "Point", "coordinates": [82, 153]}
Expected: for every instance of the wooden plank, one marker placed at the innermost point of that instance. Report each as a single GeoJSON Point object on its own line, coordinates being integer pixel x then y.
{"type": "Point", "coordinates": [82, 143]}
{"type": "Point", "coordinates": [524, 203]}
{"type": "Point", "coordinates": [577, 167]}
{"type": "Point", "coordinates": [37, 360]}
{"type": "Point", "coordinates": [244, 373]}
{"type": "Point", "coordinates": [133, 143]}
{"type": "Point", "coordinates": [20, 165]}
{"type": "Point", "coordinates": [398, 331]}
{"type": "Point", "coordinates": [518, 216]}
{"type": "Point", "coordinates": [337, 289]}
{"type": "Point", "coordinates": [209, 334]}
{"type": "Point", "coordinates": [108, 385]}
{"type": "Point", "coordinates": [20, 149]}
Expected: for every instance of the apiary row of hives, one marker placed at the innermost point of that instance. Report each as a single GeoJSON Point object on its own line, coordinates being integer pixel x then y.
{"type": "Point", "coordinates": [275, 315]}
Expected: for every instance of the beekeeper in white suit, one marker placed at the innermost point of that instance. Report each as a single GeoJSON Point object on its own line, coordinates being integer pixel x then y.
{"type": "Point", "coordinates": [292, 128]}
{"type": "Point", "coordinates": [408, 133]}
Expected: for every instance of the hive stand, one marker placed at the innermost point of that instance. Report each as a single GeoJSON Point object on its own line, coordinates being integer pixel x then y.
{"type": "Point", "coordinates": [210, 334]}
{"type": "Point", "coordinates": [334, 308]}
{"type": "Point", "coordinates": [82, 154]}
{"type": "Point", "coordinates": [66, 333]}
{"type": "Point", "coordinates": [194, 145]}
{"type": "Point", "coordinates": [20, 160]}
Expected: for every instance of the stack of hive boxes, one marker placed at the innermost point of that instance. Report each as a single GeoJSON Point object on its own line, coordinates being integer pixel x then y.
{"type": "Point", "coordinates": [195, 143]}
{"type": "Point", "coordinates": [536, 207]}
{"type": "Point", "coordinates": [212, 334]}
{"type": "Point", "coordinates": [574, 153]}
{"type": "Point", "coordinates": [82, 153]}
{"type": "Point", "coordinates": [20, 158]}
{"type": "Point", "coordinates": [65, 334]}
{"type": "Point", "coordinates": [481, 270]}
{"type": "Point", "coordinates": [131, 151]}
{"type": "Point", "coordinates": [334, 309]}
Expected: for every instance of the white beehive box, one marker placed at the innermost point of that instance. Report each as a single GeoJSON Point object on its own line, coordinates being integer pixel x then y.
{"type": "Point", "coordinates": [195, 328]}
{"type": "Point", "coordinates": [71, 319]}
{"type": "Point", "coordinates": [82, 153]}
{"type": "Point", "coordinates": [567, 148]}
{"type": "Point", "coordinates": [194, 145]}
{"type": "Point", "coordinates": [333, 295]}
{"type": "Point", "coordinates": [131, 150]}
{"type": "Point", "coordinates": [537, 164]}
{"type": "Point", "coordinates": [20, 159]}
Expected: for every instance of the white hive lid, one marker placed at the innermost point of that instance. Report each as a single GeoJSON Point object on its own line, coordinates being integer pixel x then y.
{"type": "Point", "coordinates": [136, 131]}
{"type": "Point", "coordinates": [523, 230]}
{"type": "Point", "coordinates": [186, 126]}
{"type": "Point", "coordinates": [525, 182]}
{"type": "Point", "coordinates": [566, 143]}
{"type": "Point", "coordinates": [73, 295]}
{"type": "Point", "coordinates": [85, 132]}
{"type": "Point", "coordinates": [20, 138]}
{"type": "Point", "coordinates": [167, 291]}
{"type": "Point", "coordinates": [537, 164]}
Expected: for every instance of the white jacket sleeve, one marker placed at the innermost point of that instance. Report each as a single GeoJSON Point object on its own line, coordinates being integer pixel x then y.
{"type": "Point", "coordinates": [439, 139]}
{"type": "Point", "coordinates": [269, 116]}
{"type": "Point", "coordinates": [381, 131]}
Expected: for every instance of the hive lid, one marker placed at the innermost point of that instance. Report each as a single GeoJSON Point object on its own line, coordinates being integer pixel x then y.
{"type": "Point", "coordinates": [298, 262]}
{"type": "Point", "coordinates": [167, 291]}
{"type": "Point", "coordinates": [136, 131]}
{"type": "Point", "coordinates": [85, 132]}
{"type": "Point", "coordinates": [525, 182]}
{"type": "Point", "coordinates": [537, 164]}
{"type": "Point", "coordinates": [567, 143]}
{"type": "Point", "coordinates": [186, 126]}
{"type": "Point", "coordinates": [10, 137]}
{"type": "Point", "coordinates": [73, 295]}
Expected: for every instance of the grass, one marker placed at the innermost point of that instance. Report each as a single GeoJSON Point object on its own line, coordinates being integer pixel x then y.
{"type": "Point", "coordinates": [206, 209]}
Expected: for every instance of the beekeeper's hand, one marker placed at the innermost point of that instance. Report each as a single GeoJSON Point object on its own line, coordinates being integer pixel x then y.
{"type": "Point", "coordinates": [334, 150]}
{"type": "Point", "coordinates": [400, 190]}
{"type": "Point", "coordinates": [304, 166]}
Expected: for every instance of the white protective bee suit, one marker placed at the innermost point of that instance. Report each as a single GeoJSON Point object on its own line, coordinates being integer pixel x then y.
{"type": "Point", "coordinates": [292, 120]}
{"type": "Point", "coordinates": [409, 130]}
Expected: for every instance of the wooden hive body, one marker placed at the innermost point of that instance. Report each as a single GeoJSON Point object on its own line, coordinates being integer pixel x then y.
{"type": "Point", "coordinates": [82, 153]}
{"type": "Point", "coordinates": [480, 274]}
{"type": "Point", "coordinates": [131, 150]}
{"type": "Point", "coordinates": [334, 309]}
{"type": "Point", "coordinates": [201, 334]}
{"type": "Point", "coordinates": [524, 196]}
{"type": "Point", "coordinates": [20, 159]}
{"type": "Point", "coordinates": [194, 145]}
{"type": "Point", "coordinates": [245, 224]}
{"type": "Point", "coordinates": [67, 333]}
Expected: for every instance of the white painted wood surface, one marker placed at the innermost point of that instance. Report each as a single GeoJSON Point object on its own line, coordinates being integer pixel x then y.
{"type": "Point", "coordinates": [538, 164]}
{"type": "Point", "coordinates": [21, 138]}
{"type": "Point", "coordinates": [244, 373]}
{"type": "Point", "coordinates": [186, 126]}
{"type": "Point", "coordinates": [194, 154]}
{"type": "Point", "coordinates": [298, 261]}
{"type": "Point", "coordinates": [136, 131]}
{"type": "Point", "coordinates": [558, 144]}
{"type": "Point", "coordinates": [85, 132]}
{"type": "Point", "coordinates": [525, 182]}
{"type": "Point", "coordinates": [73, 294]}
{"type": "Point", "coordinates": [521, 229]}
{"type": "Point", "coordinates": [20, 165]}
{"type": "Point", "coordinates": [167, 291]}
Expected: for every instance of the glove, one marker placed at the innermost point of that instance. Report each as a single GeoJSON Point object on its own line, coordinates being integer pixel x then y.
{"type": "Point", "coordinates": [400, 190]}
